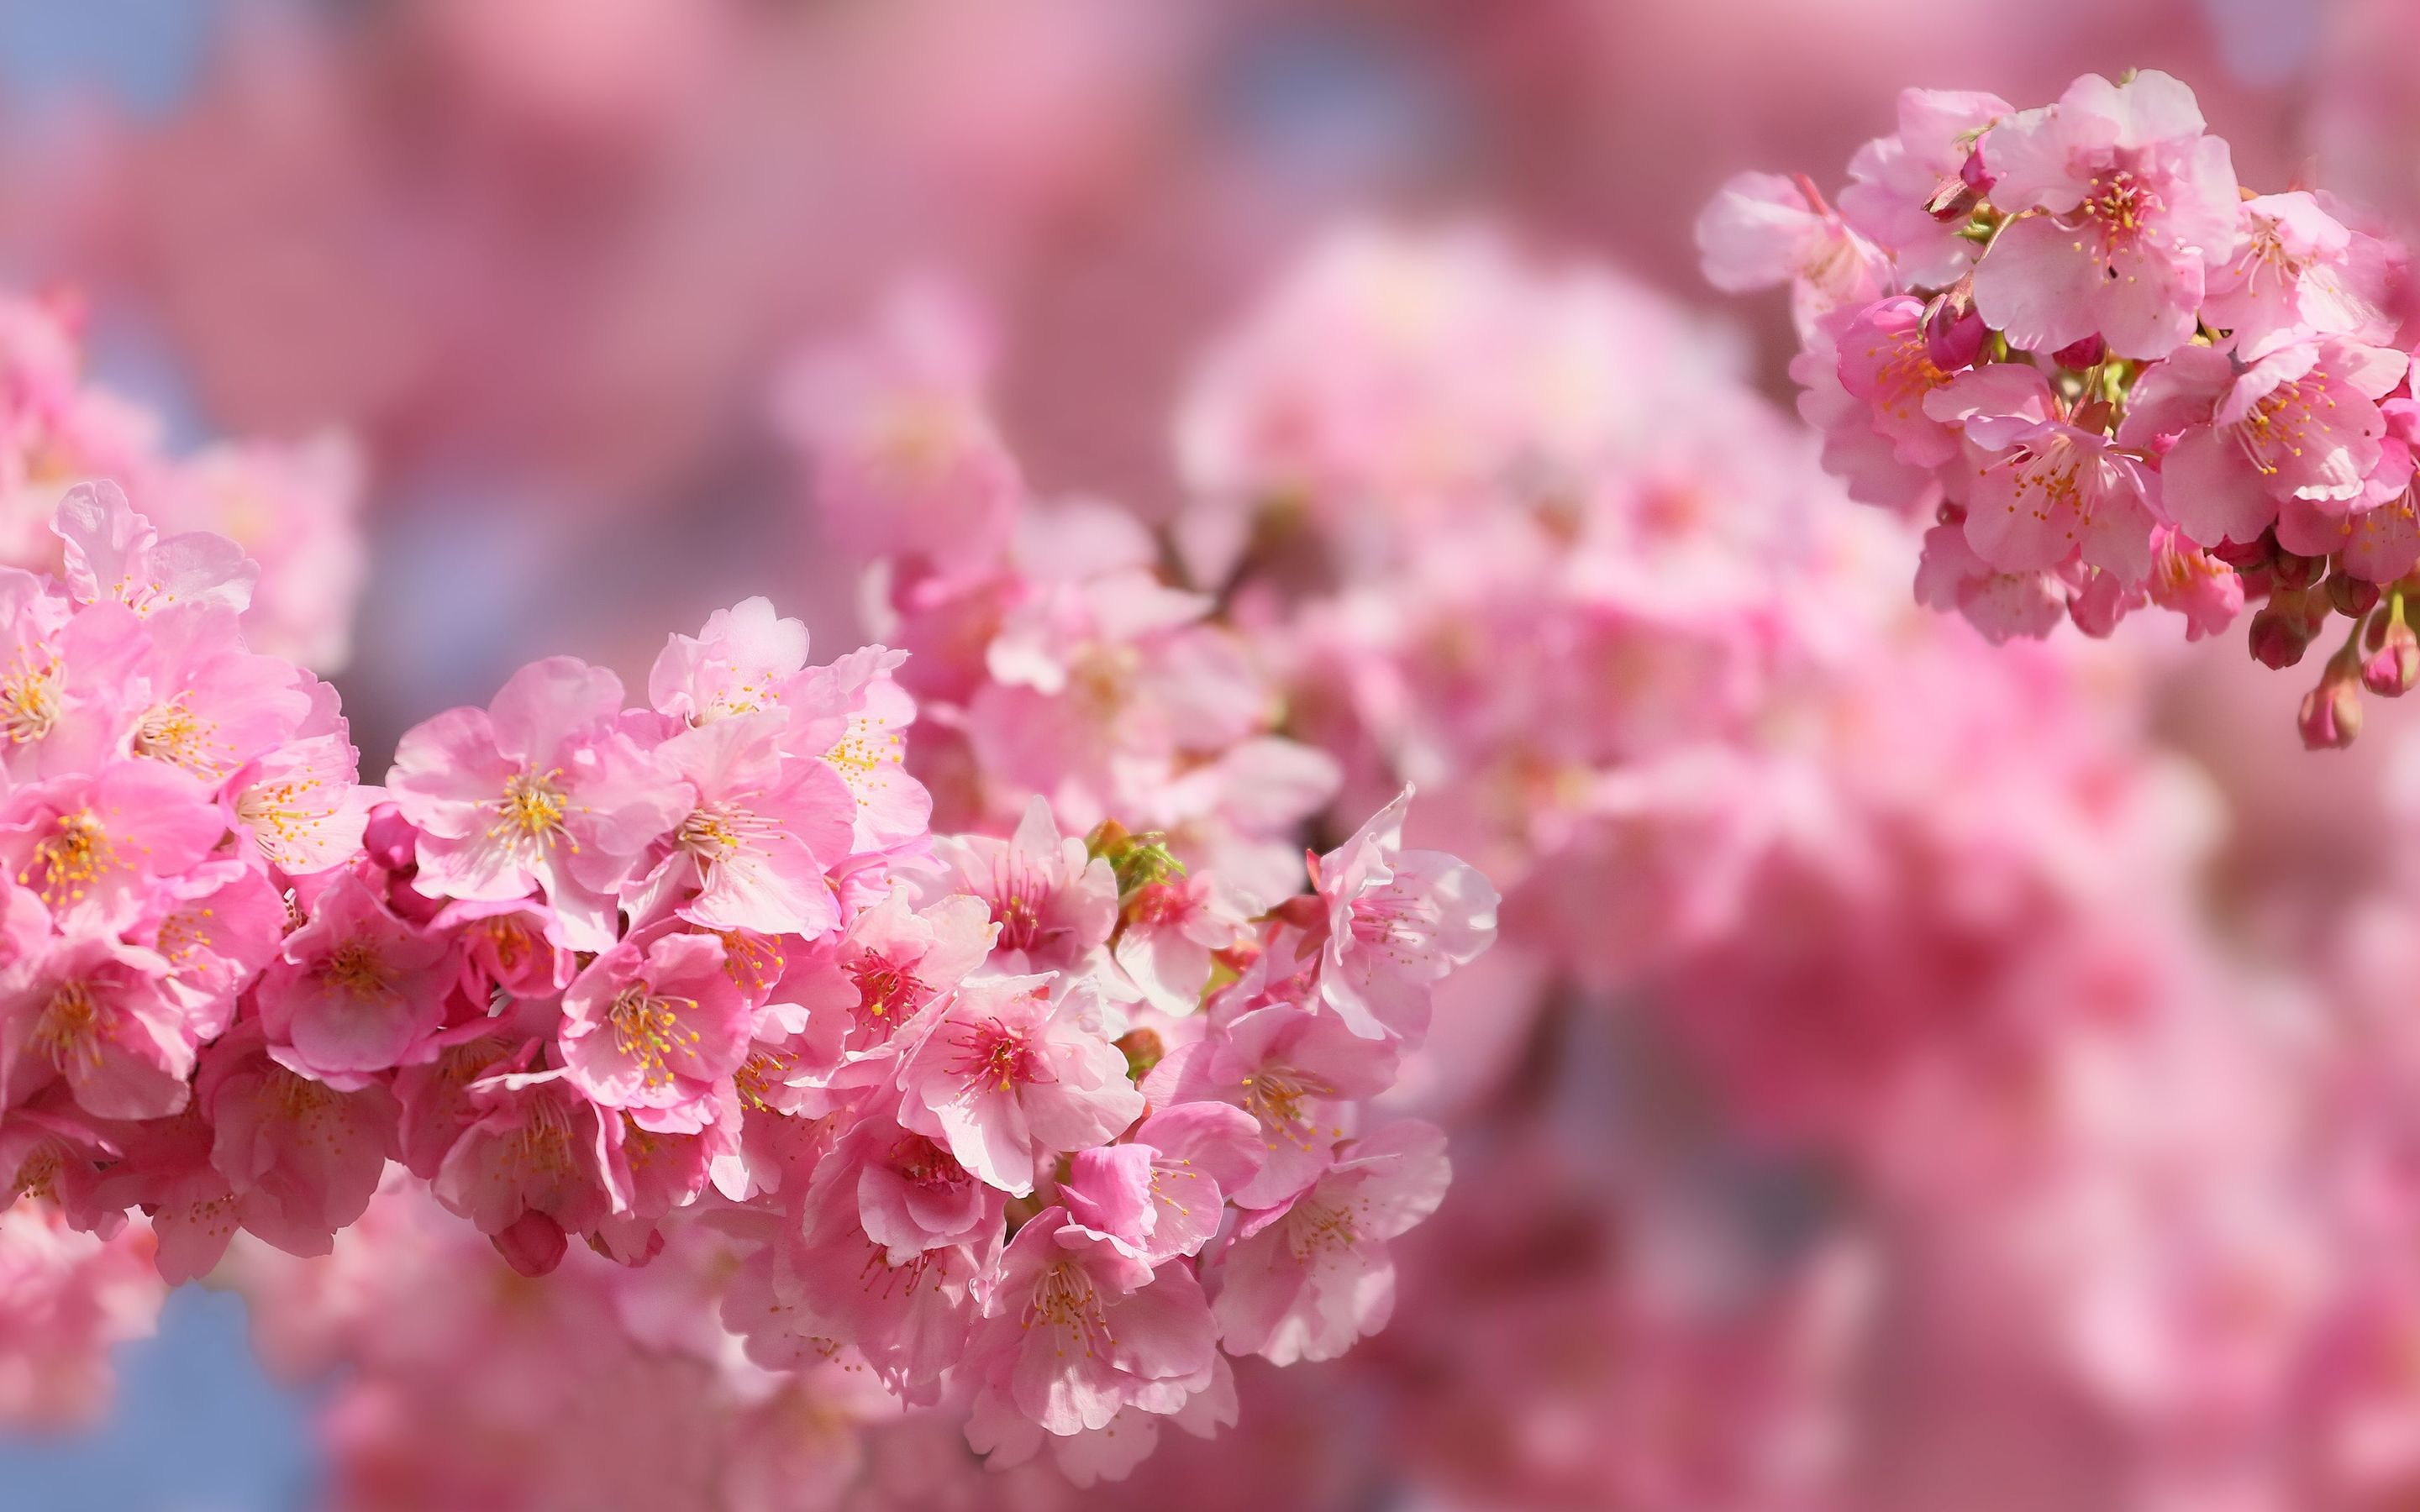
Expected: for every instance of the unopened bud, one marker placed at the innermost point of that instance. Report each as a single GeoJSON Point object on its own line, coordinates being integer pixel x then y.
{"type": "Point", "coordinates": [2291, 571]}
{"type": "Point", "coordinates": [2394, 664]}
{"type": "Point", "coordinates": [2331, 713]}
{"type": "Point", "coordinates": [2280, 631]}
{"type": "Point", "coordinates": [1953, 332]}
{"type": "Point", "coordinates": [2078, 355]}
{"type": "Point", "coordinates": [2245, 555]}
{"type": "Point", "coordinates": [1953, 199]}
{"type": "Point", "coordinates": [2352, 597]}
{"type": "Point", "coordinates": [1973, 174]}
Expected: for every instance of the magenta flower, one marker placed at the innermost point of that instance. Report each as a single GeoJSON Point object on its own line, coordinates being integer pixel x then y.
{"type": "Point", "coordinates": [2133, 205]}
{"type": "Point", "coordinates": [1007, 1078]}
{"type": "Point", "coordinates": [542, 790]}
{"type": "Point", "coordinates": [1306, 1279]}
{"type": "Point", "coordinates": [652, 1026]}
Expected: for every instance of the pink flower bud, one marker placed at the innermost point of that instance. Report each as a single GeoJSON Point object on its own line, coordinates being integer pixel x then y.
{"type": "Point", "coordinates": [2077, 356]}
{"type": "Point", "coordinates": [2395, 665]}
{"type": "Point", "coordinates": [2280, 631]}
{"type": "Point", "coordinates": [2291, 571]}
{"type": "Point", "coordinates": [2330, 714]}
{"type": "Point", "coordinates": [2352, 597]}
{"type": "Point", "coordinates": [1973, 174]}
{"type": "Point", "coordinates": [1953, 332]}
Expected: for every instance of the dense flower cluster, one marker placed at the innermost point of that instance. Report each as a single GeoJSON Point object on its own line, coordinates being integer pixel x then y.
{"type": "Point", "coordinates": [2112, 375]}
{"type": "Point", "coordinates": [1036, 1123]}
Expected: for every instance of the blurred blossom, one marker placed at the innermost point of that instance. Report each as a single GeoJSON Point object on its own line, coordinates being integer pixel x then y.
{"type": "Point", "coordinates": [1361, 683]}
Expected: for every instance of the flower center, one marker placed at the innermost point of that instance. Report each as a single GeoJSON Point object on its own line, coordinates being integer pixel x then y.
{"type": "Point", "coordinates": [648, 1029]}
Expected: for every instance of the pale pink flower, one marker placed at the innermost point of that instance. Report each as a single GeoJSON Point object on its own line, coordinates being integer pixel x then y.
{"type": "Point", "coordinates": [114, 555]}
{"type": "Point", "coordinates": [2134, 203]}
{"type": "Point", "coordinates": [2038, 490]}
{"type": "Point", "coordinates": [67, 1299]}
{"type": "Point", "coordinates": [855, 715]}
{"type": "Point", "coordinates": [1299, 1074]}
{"type": "Point", "coordinates": [742, 662]}
{"type": "Point", "coordinates": [652, 1026]}
{"type": "Point", "coordinates": [1762, 229]}
{"type": "Point", "coordinates": [1171, 930]}
{"type": "Point", "coordinates": [540, 789]}
{"type": "Point", "coordinates": [2004, 606]}
{"type": "Point", "coordinates": [1305, 1279]}
{"type": "Point", "coordinates": [1398, 921]}
{"type": "Point", "coordinates": [1007, 1078]}
{"type": "Point", "coordinates": [300, 805]}
{"type": "Point", "coordinates": [2299, 271]}
{"type": "Point", "coordinates": [1895, 178]}
{"type": "Point", "coordinates": [1075, 1329]}
{"type": "Point", "coordinates": [2301, 422]}
{"type": "Point", "coordinates": [750, 853]}
{"type": "Point", "coordinates": [1162, 1195]}
{"type": "Point", "coordinates": [903, 456]}
{"type": "Point", "coordinates": [1055, 904]}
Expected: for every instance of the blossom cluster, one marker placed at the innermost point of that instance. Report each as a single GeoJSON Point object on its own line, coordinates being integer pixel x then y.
{"type": "Point", "coordinates": [1037, 1125]}
{"type": "Point", "coordinates": [2113, 376]}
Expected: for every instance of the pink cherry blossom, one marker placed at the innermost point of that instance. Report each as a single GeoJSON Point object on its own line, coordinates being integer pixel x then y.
{"type": "Point", "coordinates": [1075, 1330]}
{"type": "Point", "coordinates": [538, 791]}
{"type": "Point", "coordinates": [2040, 490]}
{"type": "Point", "coordinates": [2299, 271]}
{"type": "Point", "coordinates": [1895, 180]}
{"type": "Point", "coordinates": [1007, 1078]}
{"type": "Point", "coordinates": [652, 1026]}
{"type": "Point", "coordinates": [1762, 229]}
{"type": "Point", "coordinates": [355, 990]}
{"type": "Point", "coordinates": [1398, 921]}
{"type": "Point", "coordinates": [2133, 205]}
{"type": "Point", "coordinates": [1304, 1279]}
{"type": "Point", "coordinates": [1054, 903]}
{"type": "Point", "coordinates": [752, 852]}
